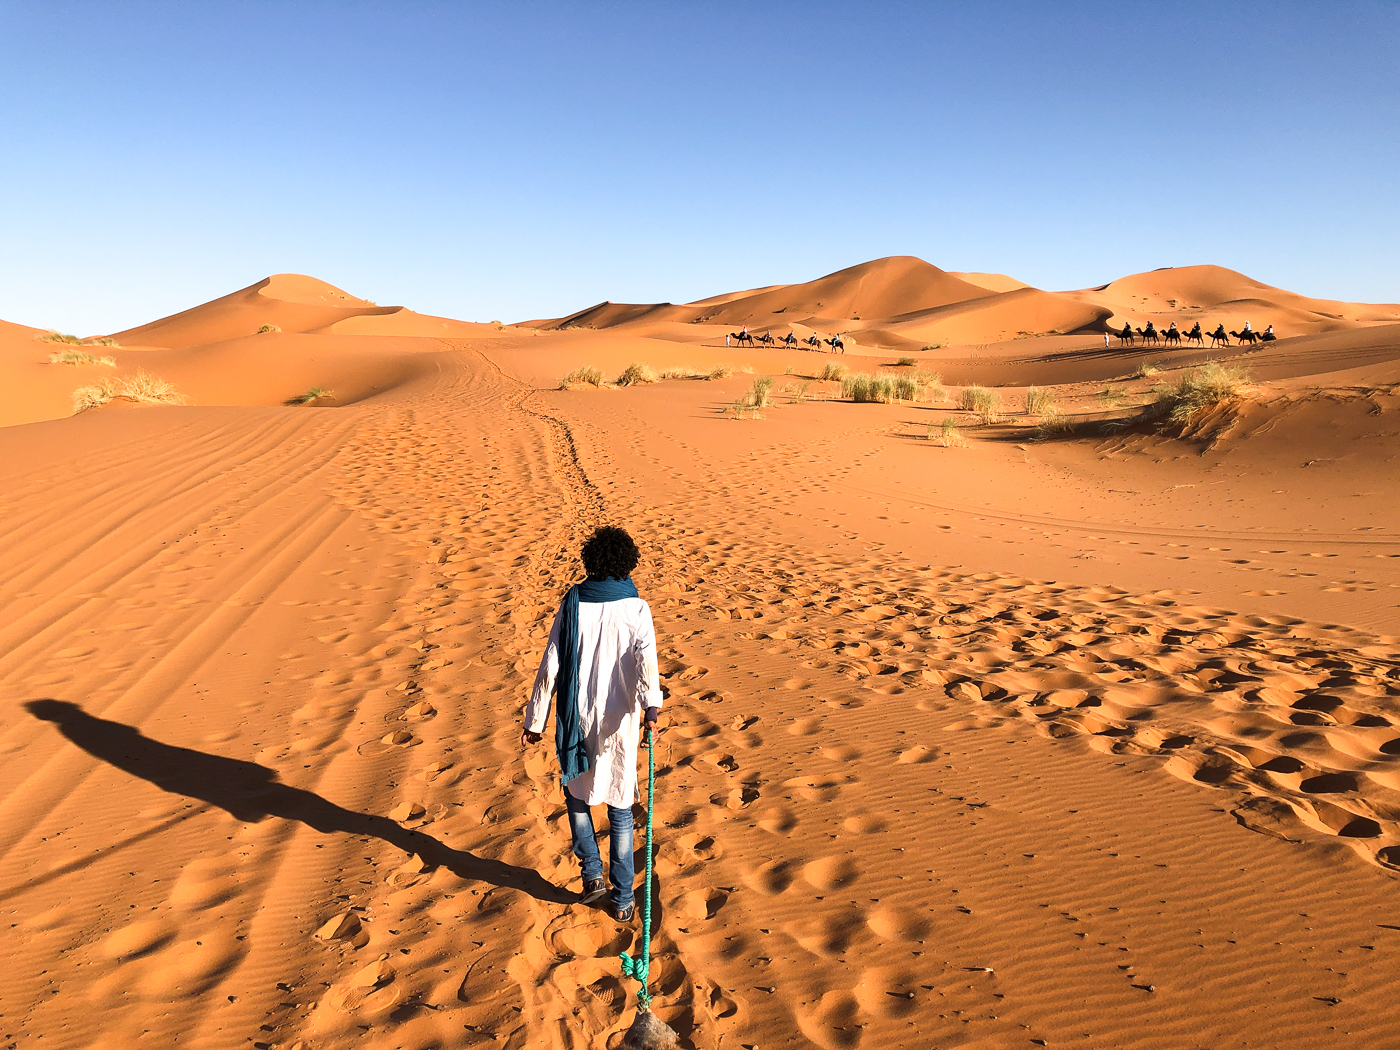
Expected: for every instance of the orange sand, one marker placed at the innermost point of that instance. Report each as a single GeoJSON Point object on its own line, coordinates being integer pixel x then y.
{"type": "Point", "coordinates": [1090, 741]}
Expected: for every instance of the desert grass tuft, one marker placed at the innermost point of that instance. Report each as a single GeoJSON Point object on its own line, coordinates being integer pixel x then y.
{"type": "Point", "coordinates": [986, 403]}
{"type": "Point", "coordinates": [1147, 369]}
{"type": "Point", "coordinates": [797, 391]}
{"type": "Point", "coordinates": [946, 432]}
{"type": "Point", "coordinates": [833, 372]}
{"type": "Point", "coordinates": [885, 387]}
{"type": "Point", "coordinates": [721, 372]}
{"type": "Point", "coordinates": [760, 394]}
{"type": "Point", "coordinates": [1196, 390]}
{"type": "Point", "coordinates": [269, 328]}
{"type": "Point", "coordinates": [588, 375]}
{"type": "Point", "coordinates": [636, 374]}
{"type": "Point", "coordinates": [1112, 396]}
{"type": "Point", "coordinates": [1054, 423]}
{"type": "Point", "coordinates": [1039, 402]}
{"type": "Point", "coordinates": [52, 336]}
{"type": "Point", "coordinates": [105, 340]}
{"type": "Point", "coordinates": [316, 393]}
{"type": "Point", "coordinates": [80, 357]}
{"type": "Point", "coordinates": [681, 373]}
{"type": "Point", "coordinates": [905, 362]}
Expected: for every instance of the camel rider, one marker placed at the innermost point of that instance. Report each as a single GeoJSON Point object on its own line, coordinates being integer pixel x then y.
{"type": "Point", "coordinates": [1247, 329]}
{"type": "Point", "coordinates": [1269, 332]}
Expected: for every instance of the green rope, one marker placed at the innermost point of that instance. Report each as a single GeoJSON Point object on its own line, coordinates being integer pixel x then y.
{"type": "Point", "coordinates": [637, 968]}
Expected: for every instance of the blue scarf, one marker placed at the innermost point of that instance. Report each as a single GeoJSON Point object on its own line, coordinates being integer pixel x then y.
{"type": "Point", "coordinates": [568, 730]}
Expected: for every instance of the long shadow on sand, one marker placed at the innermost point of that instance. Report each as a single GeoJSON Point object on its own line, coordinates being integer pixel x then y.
{"type": "Point", "coordinates": [251, 792]}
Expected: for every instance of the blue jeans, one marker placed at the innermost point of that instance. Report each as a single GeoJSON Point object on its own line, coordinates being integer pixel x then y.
{"type": "Point", "coordinates": [621, 867]}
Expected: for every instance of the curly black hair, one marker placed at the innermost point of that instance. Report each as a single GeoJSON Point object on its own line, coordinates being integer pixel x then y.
{"type": "Point", "coordinates": [610, 554]}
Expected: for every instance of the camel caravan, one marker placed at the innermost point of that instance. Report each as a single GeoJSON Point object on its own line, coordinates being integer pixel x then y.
{"type": "Point", "coordinates": [789, 341]}
{"type": "Point", "coordinates": [1173, 337]}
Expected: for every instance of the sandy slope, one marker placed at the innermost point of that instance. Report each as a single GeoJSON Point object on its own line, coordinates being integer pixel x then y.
{"type": "Point", "coordinates": [1089, 742]}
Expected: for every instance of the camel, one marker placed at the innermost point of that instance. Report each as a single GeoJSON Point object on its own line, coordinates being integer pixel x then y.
{"type": "Point", "coordinates": [1126, 335]}
{"type": "Point", "coordinates": [767, 339]}
{"type": "Point", "coordinates": [741, 338]}
{"type": "Point", "coordinates": [1194, 336]}
{"type": "Point", "coordinates": [1267, 335]}
{"type": "Point", "coordinates": [1246, 337]}
{"type": "Point", "coordinates": [836, 345]}
{"type": "Point", "coordinates": [1171, 336]}
{"type": "Point", "coordinates": [1218, 337]}
{"type": "Point", "coordinates": [1149, 334]}
{"type": "Point", "coordinates": [814, 341]}
{"type": "Point", "coordinates": [789, 341]}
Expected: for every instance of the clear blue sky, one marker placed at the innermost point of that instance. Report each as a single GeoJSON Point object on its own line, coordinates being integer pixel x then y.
{"type": "Point", "coordinates": [516, 160]}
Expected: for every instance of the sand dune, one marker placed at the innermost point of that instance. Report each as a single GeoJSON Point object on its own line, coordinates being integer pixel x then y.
{"type": "Point", "coordinates": [1186, 294]}
{"type": "Point", "coordinates": [900, 302]}
{"type": "Point", "coordinates": [1090, 739]}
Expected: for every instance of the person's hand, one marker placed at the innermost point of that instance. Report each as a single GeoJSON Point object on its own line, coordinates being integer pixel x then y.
{"type": "Point", "coordinates": [529, 739]}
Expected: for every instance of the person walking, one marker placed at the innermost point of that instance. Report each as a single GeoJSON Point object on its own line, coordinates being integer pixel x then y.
{"type": "Point", "coordinates": [600, 666]}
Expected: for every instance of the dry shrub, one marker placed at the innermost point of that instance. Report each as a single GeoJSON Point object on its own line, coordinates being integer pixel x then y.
{"type": "Point", "coordinates": [721, 372]}
{"type": "Point", "coordinates": [269, 328]}
{"type": "Point", "coordinates": [930, 385]}
{"type": "Point", "coordinates": [1196, 390]}
{"type": "Point", "coordinates": [59, 337]}
{"type": "Point", "coordinates": [316, 393]}
{"type": "Point", "coordinates": [681, 373]}
{"type": "Point", "coordinates": [94, 394]}
{"type": "Point", "coordinates": [1147, 369]}
{"type": "Point", "coordinates": [797, 390]}
{"type": "Point", "coordinates": [146, 389]}
{"type": "Point", "coordinates": [905, 362]}
{"type": "Point", "coordinates": [1039, 402]}
{"type": "Point", "coordinates": [636, 373]}
{"type": "Point", "coordinates": [143, 388]}
{"type": "Point", "coordinates": [80, 357]}
{"type": "Point", "coordinates": [986, 403]}
{"type": "Point", "coordinates": [588, 375]}
{"type": "Point", "coordinates": [833, 372]}
{"type": "Point", "coordinates": [106, 340]}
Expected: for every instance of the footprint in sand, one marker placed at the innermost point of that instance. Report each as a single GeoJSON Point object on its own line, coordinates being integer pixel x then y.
{"type": "Point", "coordinates": [805, 726]}
{"type": "Point", "coordinates": [700, 904]}
{"type": "Point", "coordinates": [772, 878]}
{"type": "Point", "coordinates": [388, 742]}
{"type": "Point", "coordinates": [865, 823]}
{"type": "Point", "coordinates": [703, 847]}
{"type": "Point", "coordinates": [830, 873]}
{"type": "Point", "coordinates": [917, 755]}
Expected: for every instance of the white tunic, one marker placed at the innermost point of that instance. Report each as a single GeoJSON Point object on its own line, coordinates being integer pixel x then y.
{"type": "Point", "coordinates": [617, 677]}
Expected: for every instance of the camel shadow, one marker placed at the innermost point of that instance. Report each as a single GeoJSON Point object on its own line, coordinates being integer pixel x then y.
{"type": "Point", "coordinates": [250, 792]}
